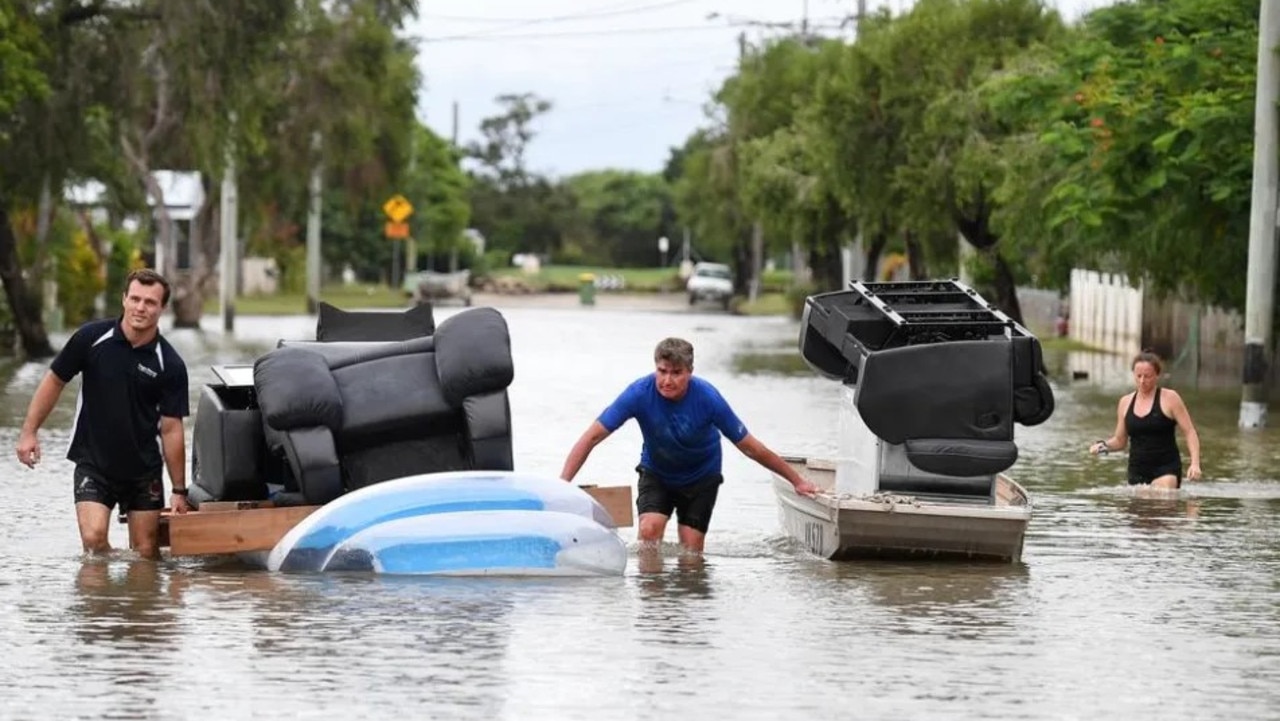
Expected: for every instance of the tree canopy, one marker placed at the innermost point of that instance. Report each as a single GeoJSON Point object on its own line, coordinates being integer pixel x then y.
{"type": "Point", "coordinates": [1122, 142]}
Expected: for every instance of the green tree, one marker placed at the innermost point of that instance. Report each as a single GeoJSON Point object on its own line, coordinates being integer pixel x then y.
{"type": "Point", "coordinates": [782, 183]}
{"type": "Point", "coordinates": [705, 195]}
{"type": "Point", "coordinates": [928, 63]}
{"type": "Point", "coordinates": [23, 86]}
{"type": "Point", "coordinates": [1146, 135]}
{"type": "Point", "coordinates": [443, 187]}
{"type": "Point", "coordinates": [622, 212]}
{"type": "Point", "coordinates": [514, 208]}
{"type": "Point", "coordinates": [501, 154]}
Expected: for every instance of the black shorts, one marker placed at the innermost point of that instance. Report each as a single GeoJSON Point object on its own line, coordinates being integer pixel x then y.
{"type": "Point", "coordinates": [692, 503]}
{"type": "Point", "coordinates": [141, 495]}
{"type": "Point", "coordinates": [1144, 476]}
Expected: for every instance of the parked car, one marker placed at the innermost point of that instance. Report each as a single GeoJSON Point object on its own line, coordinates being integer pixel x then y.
{"type": "Point", "coordinates": [432, 287]}
{"type": "Point", "coordinates": [710, 282]}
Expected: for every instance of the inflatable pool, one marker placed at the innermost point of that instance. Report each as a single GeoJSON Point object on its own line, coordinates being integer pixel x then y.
{"type": "Point", "coordinates": [458, 523]}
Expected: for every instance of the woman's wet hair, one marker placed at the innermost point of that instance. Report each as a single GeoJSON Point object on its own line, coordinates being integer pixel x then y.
{"type": "Point", "coordinates": [676, 351]}
{"type": "Point", "coordinates": [1148, 356]}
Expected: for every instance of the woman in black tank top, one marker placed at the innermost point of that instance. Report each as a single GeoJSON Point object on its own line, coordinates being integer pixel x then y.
{"type": "Point", "coordinates": [1145, 422]}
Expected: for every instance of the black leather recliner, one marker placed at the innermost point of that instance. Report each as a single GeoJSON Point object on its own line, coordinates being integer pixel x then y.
{"type": "Point", "coordinates": [321, 418]}
{"type": "Point", "coordinates": [349, 414]}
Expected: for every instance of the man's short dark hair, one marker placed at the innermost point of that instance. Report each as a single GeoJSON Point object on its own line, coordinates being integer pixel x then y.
{"type": "Point", "coordinates": [676, 351]}
{"type": "Point", "coordinates": [147, 276]}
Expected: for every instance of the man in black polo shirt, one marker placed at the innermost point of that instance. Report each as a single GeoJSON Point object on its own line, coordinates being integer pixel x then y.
{"type": "Point", "coordinates": [133, 397]}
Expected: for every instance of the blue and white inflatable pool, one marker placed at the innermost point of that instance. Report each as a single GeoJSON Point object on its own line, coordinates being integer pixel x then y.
{"type": "Point", "coordinates": [462, 523]}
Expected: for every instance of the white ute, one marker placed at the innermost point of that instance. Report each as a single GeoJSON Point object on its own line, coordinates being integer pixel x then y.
{"type": "Point", "coordinates": [710, 281]}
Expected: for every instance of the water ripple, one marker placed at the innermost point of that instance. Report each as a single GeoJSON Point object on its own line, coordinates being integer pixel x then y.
{"type": "Point", "coordinates": [1126, 605]}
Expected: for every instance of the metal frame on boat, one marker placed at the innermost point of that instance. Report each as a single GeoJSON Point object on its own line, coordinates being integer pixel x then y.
{"type": "Point", "coordinates": [933, 380]}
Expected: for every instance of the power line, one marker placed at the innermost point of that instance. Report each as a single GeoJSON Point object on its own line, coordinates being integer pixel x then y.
{"type": "Point", "coordinates": [608, 11]}
{"type": "Point", "coordinates": [589, 33]}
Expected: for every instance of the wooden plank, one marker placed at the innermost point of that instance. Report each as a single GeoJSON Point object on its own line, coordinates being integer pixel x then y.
{"type": "Point", "coordinates": [616, 500]}
{"type": "Point", "coordinates": [209, 532]}
{"type": "Point", "coordinates": [216, 506]}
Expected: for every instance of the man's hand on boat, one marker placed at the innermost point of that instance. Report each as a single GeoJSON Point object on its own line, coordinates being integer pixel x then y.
{"type": "Point", "coordinates": [805, 488]}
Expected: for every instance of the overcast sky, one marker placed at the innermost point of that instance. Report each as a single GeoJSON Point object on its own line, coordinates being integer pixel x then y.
{"type": "Point", "coordinates": [628, 78]}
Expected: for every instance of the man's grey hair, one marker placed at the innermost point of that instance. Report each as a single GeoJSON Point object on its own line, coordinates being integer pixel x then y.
{"type": "Point", "coordinates": [676, 351]}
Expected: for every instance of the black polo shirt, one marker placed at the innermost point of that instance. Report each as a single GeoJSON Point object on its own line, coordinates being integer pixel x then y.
{"type": "Point", "coordinates": [123, 393]}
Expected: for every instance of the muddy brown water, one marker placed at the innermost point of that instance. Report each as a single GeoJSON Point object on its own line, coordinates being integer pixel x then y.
{"type": "Point", "coordinates": [1123, 607]}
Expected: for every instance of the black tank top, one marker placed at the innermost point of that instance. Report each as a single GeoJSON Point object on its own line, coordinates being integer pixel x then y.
{"type": "Point", "coordinates": [1151, 441]}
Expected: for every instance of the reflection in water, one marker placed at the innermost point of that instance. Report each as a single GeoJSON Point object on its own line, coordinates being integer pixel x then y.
{"type": "Point", "coordinates": [1123, 603]}
{"type": "Point", "coordinates": [126, 616]}
{"type": "Point", "coordinates": [1150, 509]}
{"type": "Point", "coordinates": [672, 594]}
{"type": "Point", "coordinates": [1159, 513]}
{"type": "Point", "coordinates": [443, 637]}
{"type": "Point", "coordinates": [126, 602]}
{"type": "Point", "coordinates": [688, 574]}
{"type": "Point", "coordinates": [957, 598]}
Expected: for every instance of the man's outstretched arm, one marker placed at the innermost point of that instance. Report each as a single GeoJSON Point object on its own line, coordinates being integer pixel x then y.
{"type": "Point", "coordinates": [592, 437]}
{"type": "Point", "coordinates": [752, 448]}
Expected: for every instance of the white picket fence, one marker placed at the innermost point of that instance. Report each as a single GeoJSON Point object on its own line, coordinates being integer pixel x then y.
{"type": "Point", "coordinates": [1106, 311]}
{"type": "Point", "coordinates": [1200, 344]}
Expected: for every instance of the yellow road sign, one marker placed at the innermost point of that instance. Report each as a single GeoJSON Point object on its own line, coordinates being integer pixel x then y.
{"type": "Point", "coordinates": [397, 208]}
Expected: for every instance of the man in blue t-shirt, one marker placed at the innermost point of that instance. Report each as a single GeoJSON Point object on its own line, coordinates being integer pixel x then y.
{"type": "Point", "coordinates": [128, 426]}
{"type": "Point", "coordinates": [681, 419]}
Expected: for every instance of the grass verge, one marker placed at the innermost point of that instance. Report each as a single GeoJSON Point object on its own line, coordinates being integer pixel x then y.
{"type": "Point", "coordinates": [347, 297]}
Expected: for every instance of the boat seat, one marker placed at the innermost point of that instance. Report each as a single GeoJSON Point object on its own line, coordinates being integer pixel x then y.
{"type": "Point", "coordinates": [958, 390]}
{"type": "Point", "coordinates": [960, 457]}
{"type": "Point", "coordinates": [945, 415]}
{"type": "Point", "coordinates": [344, 415]}
{"type": "Point", "coordinates": [961, 470]}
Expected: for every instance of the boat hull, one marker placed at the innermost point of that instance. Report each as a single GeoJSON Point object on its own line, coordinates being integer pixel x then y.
{"type": "Point", "coordinates": [840, 527]}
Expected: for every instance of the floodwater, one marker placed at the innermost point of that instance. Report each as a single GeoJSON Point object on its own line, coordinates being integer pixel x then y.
{"type": "Point", "coordinates": [1123, 607]}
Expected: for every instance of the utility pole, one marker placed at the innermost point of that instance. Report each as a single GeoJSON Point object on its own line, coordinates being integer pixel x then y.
{"type": "Point", "coordinates": [1260, 287]}
{"type": "Point", "coordinates": [453, 244]}
{"type": "Point", "coordinates": [313, 225]}
{"type": "Point", "coordinates": [228, 251]}
{"type": "Point", "coordinates": [853, 256]}
{"type": "Point", "coordinates": [757, 227]}
{"type": "Point", "coordinates": [411, 242]}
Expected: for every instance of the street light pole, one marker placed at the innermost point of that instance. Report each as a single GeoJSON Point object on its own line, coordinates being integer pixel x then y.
{"type": "Point", "coordinates": [314, 190]}
{"type": "Point", "coordinates": [229, 252]}
{"type": "Point", "coordinates": [1260, 286]}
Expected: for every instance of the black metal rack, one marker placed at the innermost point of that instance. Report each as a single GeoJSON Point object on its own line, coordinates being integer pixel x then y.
{"type": "Point", "coordinates": [882, 315]}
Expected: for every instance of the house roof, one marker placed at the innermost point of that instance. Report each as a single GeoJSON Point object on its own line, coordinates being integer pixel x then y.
{"type": "Point", "coordinates": [183, 192]}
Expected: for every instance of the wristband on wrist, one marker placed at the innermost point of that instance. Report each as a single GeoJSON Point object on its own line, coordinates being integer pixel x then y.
{"type": "Point", "coordinates": [180, 491]}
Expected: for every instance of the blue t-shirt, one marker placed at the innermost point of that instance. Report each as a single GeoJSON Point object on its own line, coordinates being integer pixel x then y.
{"type": "Point", "coordinates": [681, 438]}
